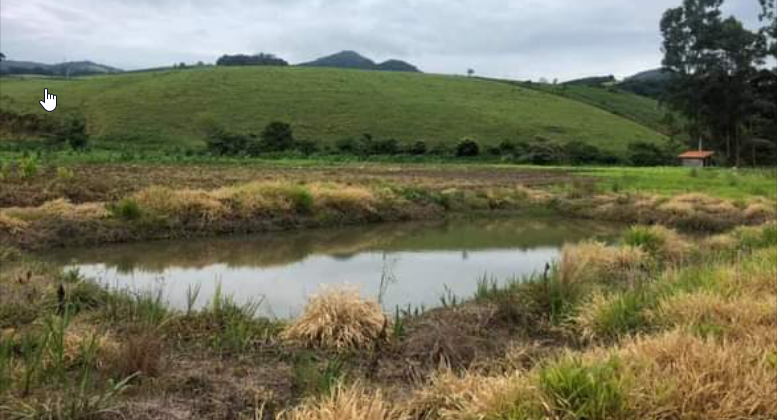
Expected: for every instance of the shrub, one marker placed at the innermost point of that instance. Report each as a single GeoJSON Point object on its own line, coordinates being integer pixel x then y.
{"type": "Point", "coordinates": [540, 151]}
{"type": "Point", "coordinates": [125, 209]}
{"type": "Point", "coordinates": [417, 148]}
{"type": "Point", "coordinates": [347, 145]}
{"type": "Point", "coordinates": [223, 143]}
{"type": "Point", "coordinates": [277, 137]}
{"type": "Point", "coordinates": [306, 147]}
{"type": "Point", "coordinates": [647, 154]}
{"type": "Point", "coordinates": [338, 319]}
{"type": "Point", "coordinates": [73, 132]}
{"type": "Point", "coordinates": [467, 148]}
{"type": "Point", "coordinates": [578, 152]}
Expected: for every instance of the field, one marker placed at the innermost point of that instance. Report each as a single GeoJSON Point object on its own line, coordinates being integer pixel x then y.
{"type": "Point", "coordinates": [643, 110]}
{"type": "Point", "coordinates": [597, 336]}
{"type": "Point", "coordinates": [671, 318]}
{"type": "Point", "coordinates": [165, 109]}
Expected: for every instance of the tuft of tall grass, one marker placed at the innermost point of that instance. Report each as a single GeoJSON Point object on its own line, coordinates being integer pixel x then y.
{"type": "Point", "coordinates": [584, 390]}
{"type": "Point", "coordinates": [608, 318]}
{"type": "Point", "coordinates": [338, 318]}
{"type": "Point", "coordinates": [310, 380]}
{"type": "Point", "coordinates": [353, 402]}
{"type": "Point", "coordinates": [596, 262]}
{"type": "Point", "coordinates": [663, 244]}
{"type": "Point", "coordinates": [449, 396]}
{"type": "Point", "coordinates": [681, 376]}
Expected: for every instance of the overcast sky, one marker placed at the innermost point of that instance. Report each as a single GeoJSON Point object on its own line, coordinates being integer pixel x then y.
{"type": "Point", "coordinates": [519, 39]}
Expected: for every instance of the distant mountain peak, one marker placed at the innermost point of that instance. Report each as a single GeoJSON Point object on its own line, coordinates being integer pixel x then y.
{"type": "Point", "coordinates": [349, 59]}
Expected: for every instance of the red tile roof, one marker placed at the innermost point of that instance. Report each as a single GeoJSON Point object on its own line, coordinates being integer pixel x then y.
{"type": "Point", "coordinates": [697, 155]}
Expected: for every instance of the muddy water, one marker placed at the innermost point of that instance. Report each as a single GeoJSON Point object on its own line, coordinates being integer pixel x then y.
{"type": "Point", "coordinates": [401, 264]}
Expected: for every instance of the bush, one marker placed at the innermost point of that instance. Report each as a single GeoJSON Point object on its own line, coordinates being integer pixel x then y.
{"type": "Point", "coordinates": [222, 143]}
{"type": "Point", "coordinates": [418, 148]}
{"type": "Point", "coordinates": [540, 151]}
{"type": "Point", "coordinates": [73, 132]}
{"type": "Point", "coordinates": [306, 147]}
{"type": "Point", "coordinates": [647, 154]}
{"type": "Point", "coordinates": [126, 209]}
{"type": "Point", "coordinates": [467, 148]}
{"type": "Point", "coordinates": [347, 145]}
{"type": "Point", "coordinates": [578, 153]}
{"type": "Point", "coordinates": [277, 137]}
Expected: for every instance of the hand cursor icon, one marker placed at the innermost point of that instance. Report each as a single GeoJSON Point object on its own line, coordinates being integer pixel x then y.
{"type": "Point", "coordinates": [49, 102]}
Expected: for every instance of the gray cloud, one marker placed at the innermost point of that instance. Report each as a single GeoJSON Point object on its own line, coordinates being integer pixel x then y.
{"type": "Point", "coordinates": [523, 39]}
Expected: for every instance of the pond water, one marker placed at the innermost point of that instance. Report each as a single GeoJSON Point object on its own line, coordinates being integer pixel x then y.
{"type": "Point", "coordinates": [401, 264]}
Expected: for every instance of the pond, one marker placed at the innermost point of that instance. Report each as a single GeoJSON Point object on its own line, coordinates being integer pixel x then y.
{"type": "Point", "coordinates": [409, 264]}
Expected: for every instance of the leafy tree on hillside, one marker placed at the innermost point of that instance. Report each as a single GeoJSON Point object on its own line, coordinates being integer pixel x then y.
{"type": "Point", "coordinates": [2, 57]}
{"type": "Point", "coordinates": [277, 137]}
{"type": "Point", "coordinates": [73, 132]}
{"type": "Point", "coordinates": [470, 72]}
{"type": "Point", "coordinates": [467, 148]}
{"type": "Point", "coordinates": [260, 59]}
{"type": "Point", "coordinates": [713, 62]}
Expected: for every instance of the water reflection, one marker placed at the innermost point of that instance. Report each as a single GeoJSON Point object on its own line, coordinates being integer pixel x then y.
{"type": "Point", "coordinates": [403, 264]}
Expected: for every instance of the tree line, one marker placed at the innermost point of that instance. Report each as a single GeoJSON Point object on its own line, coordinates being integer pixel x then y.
{"type": "Point", "coordinates": [277, 138]}
{"type": "Point", "coordinates": [722, 81]}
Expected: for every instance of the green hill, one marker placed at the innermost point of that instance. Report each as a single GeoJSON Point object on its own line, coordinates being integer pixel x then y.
{"type": "Point", "coordinates": [165, 108]}
{"type": "Point", "coordinates": [641, 109]}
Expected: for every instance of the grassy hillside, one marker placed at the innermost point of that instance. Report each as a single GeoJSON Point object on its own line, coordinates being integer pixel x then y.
{"type": "Point", "coordinates": [164, 108]}
{"type": "Point", "coordinates": [641, 109]}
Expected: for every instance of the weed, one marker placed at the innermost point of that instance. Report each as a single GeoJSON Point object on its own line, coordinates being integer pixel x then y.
{"type": "Point", "coordinates": [310, 380]}
{"type": "Point", "coordinates": [579, 390]}
{"type": "Point", "coordinates": [126, 209]}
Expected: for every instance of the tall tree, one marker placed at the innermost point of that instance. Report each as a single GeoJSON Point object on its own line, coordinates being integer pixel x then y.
{"type": "Point", "coordinates": [713, 62]}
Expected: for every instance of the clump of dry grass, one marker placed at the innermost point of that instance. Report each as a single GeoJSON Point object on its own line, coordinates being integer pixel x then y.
{"type": "Point", "coordinates": [338, 318]}
{"type": "Point", "coordinates": [141, 353]}
{"type": "Point", "coordinates": [461, 397]}
{"type": "Point", "coordinates": [453, 337]}
{"type": "Point", "coordinates": [680, 376]}
{"type": "Point", "coordinates": [185, 205]}
{"type": "Point", "coordinates": [760, 210]}
{"type": "Point", "coordinates": [664, 244]}
{"type": "Point", "coordinates": [80, 334]}
{"type": "Point", "coordinates": [704, 312]}
{"type": "Point", "coordinates": [11, 224]}
{"type": "Point", "coordinates": [595, 261]}
{"type": "Point", "coordinates": [344, 198]}
{"type": "Point", "coordinates": [346, 403]}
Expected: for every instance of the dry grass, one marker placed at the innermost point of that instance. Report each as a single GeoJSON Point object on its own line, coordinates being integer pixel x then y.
{"type": "Point", "coordinates": [736, 318]}
{"type": "Point", "coordinates": [679, 376]}
{"type": "Point", "coordinates": [663, 243]}
{"type": "Point", "coordinates": [186, 205]}
{"type": "Point", "coordinates": [80, 334]}
{"type": "Point", "coordinates": [346, 403]}
{"type": "Point", "coordinates": [140, 354]}
{"type": "Point", "coordinates": [338, 318]}
{"type": "Point", "coordinates": [464, 397]}
{"type": "Point", "coordinates": [595, 261]}
{"type": "Point", "coordinates": [454, 337]}
{"type": "Point", "coordinates": [12, 224]}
